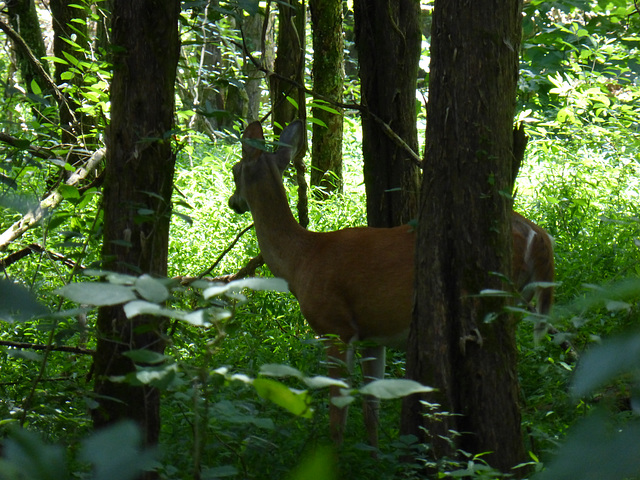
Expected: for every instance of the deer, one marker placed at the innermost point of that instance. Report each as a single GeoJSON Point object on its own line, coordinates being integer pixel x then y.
{"type": "Point", "coordinates": [330, 273]}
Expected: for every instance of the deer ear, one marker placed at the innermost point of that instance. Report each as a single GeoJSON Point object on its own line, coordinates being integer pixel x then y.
{"type": "Point", "coordinates": [252, 141]}
{"type": "Point", "coordinates": [291, 141]}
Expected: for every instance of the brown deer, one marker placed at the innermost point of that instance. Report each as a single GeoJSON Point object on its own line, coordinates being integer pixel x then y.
{"type": "Point", "coordinates": [332, 274]}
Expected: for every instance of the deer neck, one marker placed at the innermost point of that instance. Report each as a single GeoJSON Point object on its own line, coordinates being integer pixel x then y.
{"type": "Point", "coordinates": [282, 240]}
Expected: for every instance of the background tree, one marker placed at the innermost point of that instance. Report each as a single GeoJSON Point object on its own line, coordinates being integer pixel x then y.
{"type": "Point", "coordinates": [289, 64]}
{"type": "Point", "coordinates": [388, 42]}
{"type": "Point", "coordinates": [137, 197]}
{"type": "Point", "coordinates": [328, 60]}
{"type": "Point", "coordinates": [23, 17]}
{"type": "Point", "coordinates": [461, 343]}
{"type": "Point", "coordinates": [578, 98]}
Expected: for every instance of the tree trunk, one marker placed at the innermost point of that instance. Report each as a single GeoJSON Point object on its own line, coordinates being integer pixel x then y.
{"type": "Point", "coordinates": [328, 81]}
{"type": "Point", "coordinates": [137, 196]}
{"type": "Point", "coordinates": [388, 41]}
{"type": "Point", "coordinates": [24, 20]}
{"type": "Point", "coordinates": [258, 30]}
{"type": "Point", "coordinates": [289, 64]}
{"type": "Point", "coordinates": [462, 344]}
{"type": "Point", "coordinates": [69, 23]}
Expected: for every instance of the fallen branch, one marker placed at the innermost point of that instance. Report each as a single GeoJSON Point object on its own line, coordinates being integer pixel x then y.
{"type": "Point", "coordinates": [36, 214]}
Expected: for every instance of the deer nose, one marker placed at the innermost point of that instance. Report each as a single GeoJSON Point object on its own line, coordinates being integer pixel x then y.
{"type": "Point", "coordinates": [238, 204]}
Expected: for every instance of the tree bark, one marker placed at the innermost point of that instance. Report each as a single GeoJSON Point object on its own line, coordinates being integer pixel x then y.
{"type": "Point", "coordinates": [328, 80]}
{"type": "Point", "coordinates": [137, 197]}
{"type": "Point", "coordinates": [289, 64]}
{"type": "Point", "coordinates": [460, 343]}
{"type": "Point", "coordinates": [388, 42]}
{"type": "Point", "coordinates": [24, 20]}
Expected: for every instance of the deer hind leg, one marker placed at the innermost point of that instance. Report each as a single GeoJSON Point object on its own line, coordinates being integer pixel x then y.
{"type": "Point", "coordinates": [373, 365]}
{"type": "Point", "coordinates": [340, 360]}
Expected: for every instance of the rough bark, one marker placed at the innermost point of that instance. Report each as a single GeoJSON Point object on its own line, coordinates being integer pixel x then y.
{"type": "Point", "coordinates": [137, 196]}
{"type": "Point", "coordinates": [460, 343]}
{"type": "Point", "coordinates": [328, 80]}
{"type": "Point", "coordinates": [388, 42]}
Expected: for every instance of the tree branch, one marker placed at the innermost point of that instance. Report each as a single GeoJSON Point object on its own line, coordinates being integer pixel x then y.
{"type": "Point", "coordinates": [36, 214]}
{"type": "Point", "coordinates": [35, 248]}
{"type": "Point", "coordinates": [55, 348]}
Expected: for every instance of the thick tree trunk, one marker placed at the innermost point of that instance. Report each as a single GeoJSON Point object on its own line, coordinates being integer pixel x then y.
{"type": "Point", "coordinates": [328, 81]}
{"type": "Point", "coordinates": [388, 41]}
{"type": "Point", "coordinates": [460, 343]}
{"type": "Point", "coordinates": [137, 196]}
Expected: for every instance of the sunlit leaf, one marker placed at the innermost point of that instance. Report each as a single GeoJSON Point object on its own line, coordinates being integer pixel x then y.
{"type": "Point", "coordinates": [278, 393]}
{"type": "Point", "coordinates": [393, 388]}
{"type": "Point", "coordinates": [151, 289]}
{"type": "Point", "coordinates": [98, 294]}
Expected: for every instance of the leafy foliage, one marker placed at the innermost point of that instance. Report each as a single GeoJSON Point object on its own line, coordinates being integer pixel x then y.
{"type": "Point", "coordinates": [242, 374]}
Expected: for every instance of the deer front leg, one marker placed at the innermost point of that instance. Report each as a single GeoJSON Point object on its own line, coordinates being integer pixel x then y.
{"type": "Point", "coordinates": [373, 365]}
{"type": "Point", "coordinates": [340, 361]}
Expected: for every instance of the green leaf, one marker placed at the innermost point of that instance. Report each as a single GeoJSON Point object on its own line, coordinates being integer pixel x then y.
{"type": "Point", "coordinates": [151, 289]}
{"type": "Point", "coordinates": [278, 393]}
{"type": "Point", "coordinates": [34, 458]}
{"type": "Point", "coordinates": [255, 283]}
{"type": "Point", "coordinates": [279, 370]}
{"type": "Point", "coordinates": [597, 449]}
{"type": "Point", "coordinates": [97, 294]}
{"type": "Point", "coordinates": [17, 304]}
{"type": "Point", "coordinates": [68, 192]}
{"type": "Point", "coordinates": [318, 465]}
{"type": "Point", "coordinates": [604, 363]}
{"type": "Point", "coordinates": [35, 88]}
{"type": "Point", "coordinates": [145, 356]}
{"type": "Point", "coordinates": [393, 388]}
{"type": "Point", "coordinates": [116, 452]}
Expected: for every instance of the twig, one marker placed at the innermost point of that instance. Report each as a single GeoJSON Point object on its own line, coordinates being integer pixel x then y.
{"type": "Point", "coordinates": [55, 348]}
{"type": "Point", "coordinates": [187, 281]}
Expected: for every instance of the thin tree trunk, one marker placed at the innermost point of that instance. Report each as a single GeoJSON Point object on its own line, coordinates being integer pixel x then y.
{"type": "Point", "coordinates": [328, 80]}
{"type": "Point", "coordinates": [24, 20]}
{"type": "Point", "coordinates": [289, 64]}
{"type": "Point", "coordinates": [462, 344]}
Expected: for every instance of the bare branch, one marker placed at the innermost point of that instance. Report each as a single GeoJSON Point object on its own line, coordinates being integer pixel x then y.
{"type": "Point", "coordinates": [55, 348]}
{"type": "Point", "coordinates": [36, 214]}
{"type": "Point", "coordinates": [35, 248]}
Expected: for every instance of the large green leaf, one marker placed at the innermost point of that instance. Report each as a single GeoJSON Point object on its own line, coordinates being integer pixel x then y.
{"type": "Point", "coordinates": [17, 304]}
{"type": "Point", "coordinates": [297, 403]}
{"type": "Point", "coordinates": [98, 294]}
